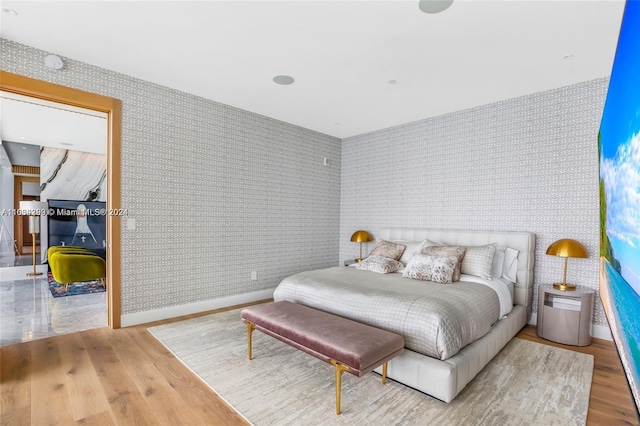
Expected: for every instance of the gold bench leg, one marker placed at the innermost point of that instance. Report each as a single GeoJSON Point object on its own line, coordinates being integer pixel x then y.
{"type": "Point", "coordinates": [384, 373]}
{"type": "Point", "coordinates": [340, 368]}
{"type": "Point", "coordinates": [250, 328]}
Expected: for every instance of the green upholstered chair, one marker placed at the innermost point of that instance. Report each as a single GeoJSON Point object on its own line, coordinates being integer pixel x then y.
{"type": "Point", "coordinates": [56, 249]}
{"type": "Point", "coordinates": [71, 264]}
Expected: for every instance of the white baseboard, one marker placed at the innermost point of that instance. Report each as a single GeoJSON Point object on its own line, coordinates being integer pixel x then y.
{"type": "Point", "coordinates": [193, 308]}
{"type": "Point", "coordinates": [601, 332]}
{"type": "Point", "coordinates": [597, 331]}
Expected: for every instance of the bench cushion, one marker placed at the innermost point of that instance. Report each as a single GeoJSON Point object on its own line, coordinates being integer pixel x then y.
{"type": "Point", "coordinates": [326, 336]}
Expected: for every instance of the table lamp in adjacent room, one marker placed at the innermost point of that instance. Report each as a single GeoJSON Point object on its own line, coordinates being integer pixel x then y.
{"type": "Point", "coordinates": [361, 237]}
{"type": "Point", "coordinates": [566, 248]}
{"type": "Point", "coordinates": [33, 209]}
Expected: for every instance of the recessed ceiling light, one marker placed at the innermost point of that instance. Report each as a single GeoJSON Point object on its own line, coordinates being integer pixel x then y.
{"type": "Point", "coordinates": [283, 79]}
{"type": "Point", "coordinates": [9, 11]}
{"type": "Point", "coordinates": [434, 6]}
{"type": "Point", "coordinates": [24, 147]}
{"type": "Point", "coordinates": [392, 82]}
{"type": "Point", "coordinates": [568, 57]}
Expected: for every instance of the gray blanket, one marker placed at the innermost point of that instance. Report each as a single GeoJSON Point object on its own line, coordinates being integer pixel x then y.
{"type": "Point", "coordinates": [436, 320]}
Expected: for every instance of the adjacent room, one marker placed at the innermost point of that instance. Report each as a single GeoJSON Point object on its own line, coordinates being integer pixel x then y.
{"type": "Point", "coordinates": [403, 191]}
{"type": "Point", "coordinates": [54, 155]}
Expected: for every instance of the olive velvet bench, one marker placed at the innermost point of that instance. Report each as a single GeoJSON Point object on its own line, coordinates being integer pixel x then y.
{"type": "Point", "coordinates": [71, 264]}
{"type": "Point", "coordinates": [347, 345]}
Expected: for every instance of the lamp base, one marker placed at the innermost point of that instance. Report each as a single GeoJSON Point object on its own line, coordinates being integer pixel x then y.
{"type": "Point", "coordinates": [358, 260]}
{"type": "Point", "coordinates": [34, 274]}
{"type": "Point", "coordinates": [564, 287]}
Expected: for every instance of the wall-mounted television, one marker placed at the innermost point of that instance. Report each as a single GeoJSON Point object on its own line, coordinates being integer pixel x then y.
{"type": "Point", "coordinates": [77, 223]}
{"type": "Point", "coordinates": [619, 155]}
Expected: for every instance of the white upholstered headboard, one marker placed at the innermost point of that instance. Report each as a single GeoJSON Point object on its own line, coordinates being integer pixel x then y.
{"type": "Point", "coordinates": [524, 242]}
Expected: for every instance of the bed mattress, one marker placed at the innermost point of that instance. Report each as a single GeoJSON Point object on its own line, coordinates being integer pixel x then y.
{"type": "Point", "coordinates": [436, 320]}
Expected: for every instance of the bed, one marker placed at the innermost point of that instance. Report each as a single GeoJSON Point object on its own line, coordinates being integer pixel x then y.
{"type": "Point", "coordinates": [439, 359]}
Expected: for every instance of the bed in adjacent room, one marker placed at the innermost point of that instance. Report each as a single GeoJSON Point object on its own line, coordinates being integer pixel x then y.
{"type": "Point", "coordinates": [451, 329]}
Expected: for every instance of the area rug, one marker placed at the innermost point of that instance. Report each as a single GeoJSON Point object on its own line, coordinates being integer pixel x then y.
{"type": "Point", "coordinates": [527, 383]}
{"type": "Point", "coordinates": [84, 287]}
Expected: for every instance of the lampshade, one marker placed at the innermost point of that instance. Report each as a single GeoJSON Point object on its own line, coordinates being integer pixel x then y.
{"type": "Point", "coordinates": [33, 208]}
{"type": "Point", "coordinates": [567, 247]}
{"type": "Point", "coordinates": [361, 237]}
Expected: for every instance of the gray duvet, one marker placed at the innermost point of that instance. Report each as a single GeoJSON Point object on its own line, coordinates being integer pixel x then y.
{"type": "Point", "coordinates": [436, 320]}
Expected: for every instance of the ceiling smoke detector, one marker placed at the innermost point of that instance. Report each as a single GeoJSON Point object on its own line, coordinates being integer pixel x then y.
{"type": "Point", "coordinates": [53, 62]}
{"type": "Point", "coordinates": [434, 6]}
{"type": "Point", "coordinates": [283, 79]}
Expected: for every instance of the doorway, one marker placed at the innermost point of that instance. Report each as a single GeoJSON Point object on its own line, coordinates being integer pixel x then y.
{"type": "Point", "coordinates": [112, 107]}
{"type": "Point", "coordinates": [21, 227]}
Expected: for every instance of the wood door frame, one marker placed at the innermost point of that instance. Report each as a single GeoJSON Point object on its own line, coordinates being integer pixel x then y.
{"type": "Point", "coordinates": [26, 86]}
{"type": "Point", "coordinates": [18, 223]}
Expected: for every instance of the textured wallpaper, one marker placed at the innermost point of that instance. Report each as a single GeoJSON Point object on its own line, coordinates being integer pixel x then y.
{"type": "Point", "coordinates": [217, 192]}
{"type": "Point", "coordinates": [524, 164]}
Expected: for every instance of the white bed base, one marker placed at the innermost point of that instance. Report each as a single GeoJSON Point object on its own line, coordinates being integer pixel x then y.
{"type": "Point", "coordinates": [445, 379]}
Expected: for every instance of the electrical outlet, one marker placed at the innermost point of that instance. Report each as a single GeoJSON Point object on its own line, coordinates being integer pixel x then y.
{"type": "Point", "coordinates": [254, 275]}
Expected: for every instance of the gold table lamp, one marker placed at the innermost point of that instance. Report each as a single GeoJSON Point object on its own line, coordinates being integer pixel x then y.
{"type": "Point", "coordinates": [566, 248]}
{"type": "Point", "coordinates": [361, 237]}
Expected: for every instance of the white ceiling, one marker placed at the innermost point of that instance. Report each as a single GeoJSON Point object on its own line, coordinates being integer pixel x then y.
{"type": "Point", "coordinates": [342, 54]}
{"type": "Point", "coordinates": [33, 121]}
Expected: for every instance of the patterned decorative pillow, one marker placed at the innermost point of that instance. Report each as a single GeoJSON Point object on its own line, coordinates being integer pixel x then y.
{"type": "Point", "coordinates": [428, 243]}
{"type": "Point", "coordinates": [388, 249]}
{"type": "Point", "coordinates": [458, 252]}
{"type": "Point", "coordinates": [478, 260]}
{"type": "Point", "coordinates": [380, 264]}
{"type": "Point", "coordinates": [438, 269]}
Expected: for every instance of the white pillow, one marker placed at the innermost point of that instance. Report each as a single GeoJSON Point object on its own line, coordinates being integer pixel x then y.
{"type": "Point", "coordinates": [498, 262]}
{"type": "Point", "coordinates": [510, 267]}
{"type": "Point", "coordinates": [380, 264]}
{"type": "Point", "coordinates": [412, 247]}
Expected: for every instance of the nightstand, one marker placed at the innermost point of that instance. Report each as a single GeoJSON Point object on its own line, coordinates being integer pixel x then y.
{"type": "Point", "coordinates": [565, 316]}
{"type": "Point", "coordinates": [349, 262]}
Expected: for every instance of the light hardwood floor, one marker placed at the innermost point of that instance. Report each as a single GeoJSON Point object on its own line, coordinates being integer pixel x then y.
{"type": "Point", "coordinates": [126, 377]}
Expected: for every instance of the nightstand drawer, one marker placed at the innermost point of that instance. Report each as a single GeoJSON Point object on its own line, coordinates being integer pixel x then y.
{"type": "Point", "coordinates": [560, 325]}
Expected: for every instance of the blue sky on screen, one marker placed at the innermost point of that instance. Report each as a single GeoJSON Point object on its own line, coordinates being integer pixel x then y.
{"type": "Point", "coordinates": [620, 138]}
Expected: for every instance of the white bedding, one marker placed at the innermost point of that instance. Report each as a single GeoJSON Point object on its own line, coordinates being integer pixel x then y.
{"type": "Point", "coordinates": [436, 320]}
{"type": "Point", "coordinates": [502, 287]}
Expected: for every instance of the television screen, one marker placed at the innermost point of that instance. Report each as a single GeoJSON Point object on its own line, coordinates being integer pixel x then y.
{"type": "Point", "coordinates": [619, 152]}
{"type": "Point", "coordinates": [77, 223]}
